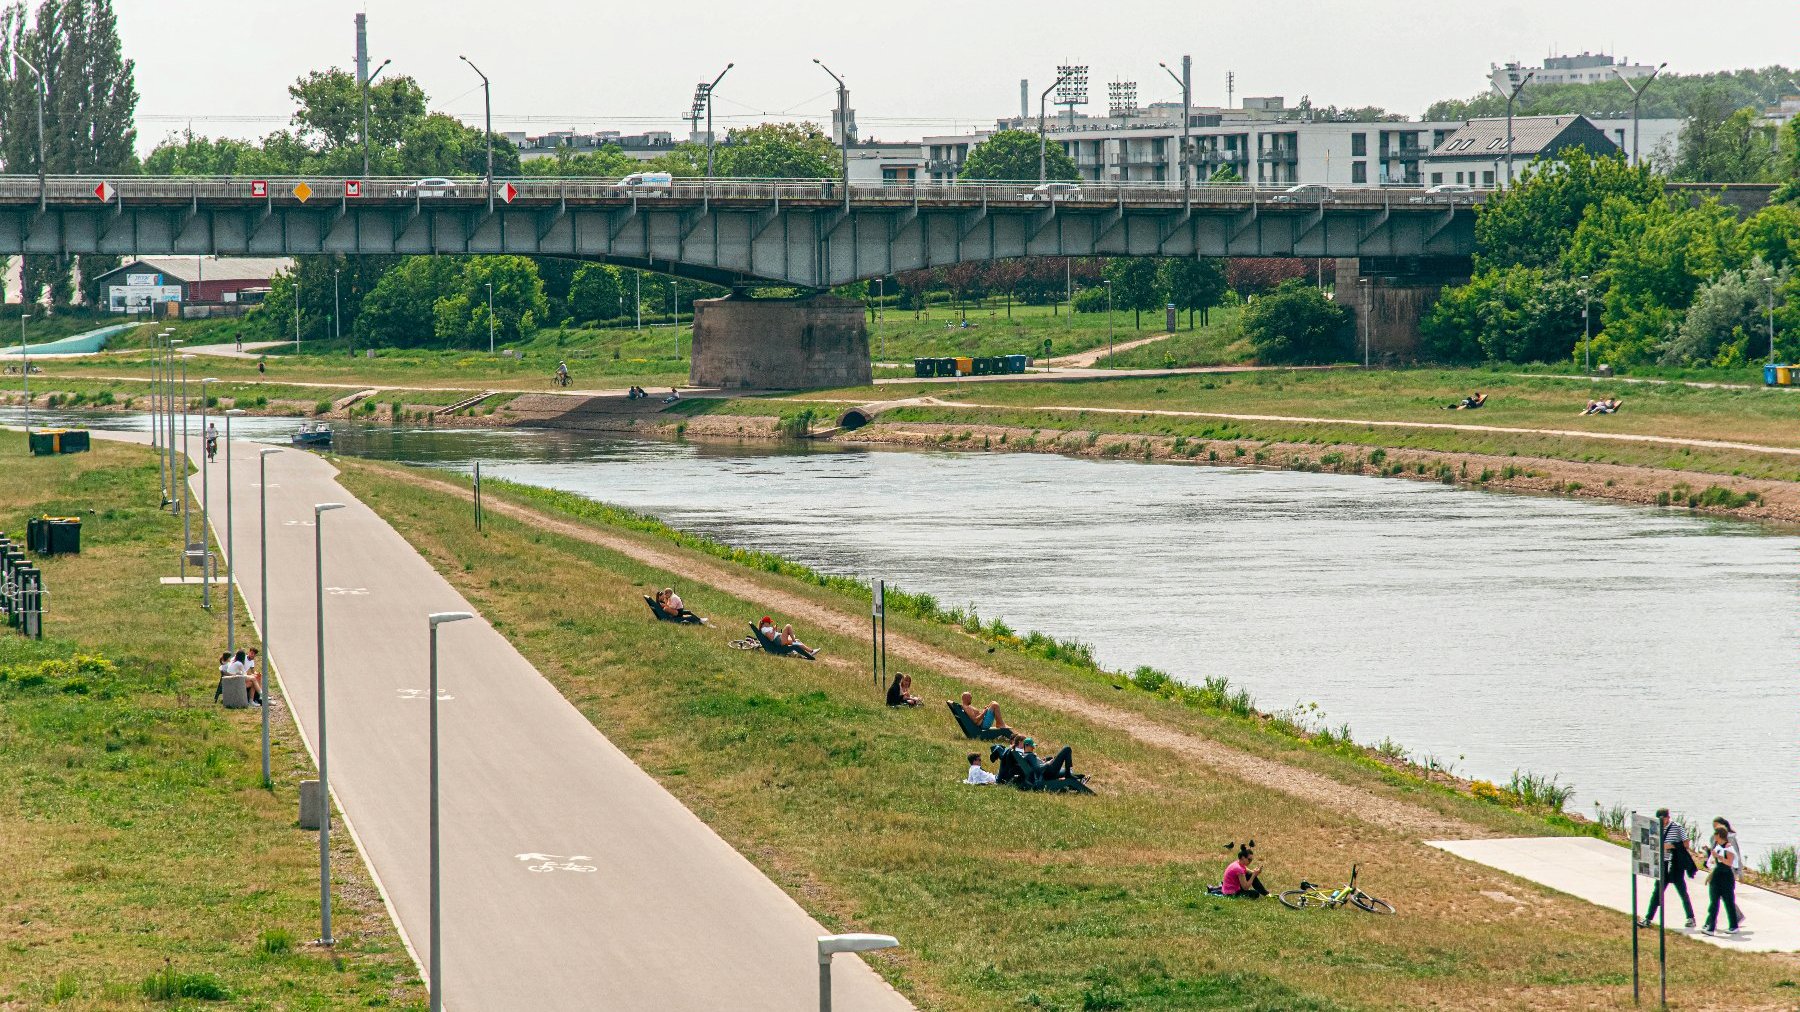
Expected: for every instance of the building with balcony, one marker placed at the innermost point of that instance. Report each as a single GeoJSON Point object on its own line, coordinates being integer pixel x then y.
{"type": "Point", "coordinates": [1583, 68]}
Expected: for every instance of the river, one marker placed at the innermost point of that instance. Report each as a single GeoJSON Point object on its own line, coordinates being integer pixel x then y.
{"type": "Point", "coordinates": [1645, 656]}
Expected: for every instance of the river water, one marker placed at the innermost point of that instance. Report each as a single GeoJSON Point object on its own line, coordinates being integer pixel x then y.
{"type": "Point", "coordinates": [1645, 656]}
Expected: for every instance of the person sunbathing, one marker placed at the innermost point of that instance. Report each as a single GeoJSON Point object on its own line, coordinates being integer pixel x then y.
{"type": "Point", "coordinates": [789, 641]}
{"type": "Point", "coordinates": [988, 719]}
{"type": "Point", "coordinates": [979, 777]}
{"type": "Point", "coordinates": [1469, 403]}
{"type": "Point", "coordinates": [1037, 770]}
{"type": "Point", "coordinates": [899, 692]}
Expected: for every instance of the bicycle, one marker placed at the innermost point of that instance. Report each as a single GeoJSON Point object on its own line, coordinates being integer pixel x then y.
{"type": "Point", "coordinates": [1313, 895]}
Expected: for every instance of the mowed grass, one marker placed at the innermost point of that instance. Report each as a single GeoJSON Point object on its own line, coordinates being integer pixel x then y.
{"type": "Point", "coordinates": [903, 334]}
{"type": "Point", "coordinates": [1011, 900]}
{"type": "Point", "coordinates": [138, 839]}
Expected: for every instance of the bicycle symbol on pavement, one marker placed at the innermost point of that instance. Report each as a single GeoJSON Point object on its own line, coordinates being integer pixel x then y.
{"type": "Point", "coordinates": [297, 523]}
{"type": "Point", "coordinates": [347, 591]}
{"type": "Point", "coordinates": [421, 694]}
{"type": "Point", "coordinates": [556, 862]}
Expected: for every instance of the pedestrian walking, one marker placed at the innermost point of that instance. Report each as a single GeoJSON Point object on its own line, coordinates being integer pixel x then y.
{"type": "Point", "coordinates": [1721, 884]}
{"type": "Point", "coordinates": [1678, 865]}
{"type": "Point", "coordinates": [1737, 873]}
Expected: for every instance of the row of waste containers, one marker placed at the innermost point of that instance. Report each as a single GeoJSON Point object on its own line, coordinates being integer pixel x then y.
{"type": "Point", "coordinates": [21, 590]}
{"type": "Point", "coordinates": [989, 365]}
{"type": "Point", "coordinates": [45, 442]}
{"type": "Point", "coordinates": [1780, 375]}
{"type": "Point", "coordinates": [53, 535]}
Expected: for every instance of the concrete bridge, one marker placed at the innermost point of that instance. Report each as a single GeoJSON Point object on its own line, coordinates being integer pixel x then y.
{"type": "Point", "coordinates": [809, 233]}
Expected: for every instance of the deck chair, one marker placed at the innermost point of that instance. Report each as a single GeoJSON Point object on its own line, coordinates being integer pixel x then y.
{"type": "Point", "coordinates": [685, 618]}
{"type": "Point", "coordinates": [773, 646]}
{"type": "Point", "coordinates": [970, 729]}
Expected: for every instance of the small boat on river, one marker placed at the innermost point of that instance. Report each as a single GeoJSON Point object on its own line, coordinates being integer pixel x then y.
{"type": "Point", "coordinates": [312, 435]}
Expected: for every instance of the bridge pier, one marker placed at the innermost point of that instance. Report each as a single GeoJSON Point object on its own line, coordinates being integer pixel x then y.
{"type": "Point", "coordinates": [1394, 294]}
{"type": "Point", "coordinates": [790, 344]}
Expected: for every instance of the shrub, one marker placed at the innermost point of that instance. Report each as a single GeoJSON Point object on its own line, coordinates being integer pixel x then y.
{"type": "Point", "coordinates": [1296, 323]}
{"type": "Point", "coordinates": [322, 408]}
{"type": "Point", "coordinates": [275, 941]}
{"type": "Point", "coordinates": [1537, 791]}
{"type": "Point", "coordinates": [1782, 864]}
{"type": "Point", "coordinates": [170, 985]}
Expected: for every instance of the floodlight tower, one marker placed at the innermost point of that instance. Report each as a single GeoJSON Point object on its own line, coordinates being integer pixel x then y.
{"type": "Point", "coordinates": [1073, 90]}
{"type": "Point", "coordinates": [1121, 99]}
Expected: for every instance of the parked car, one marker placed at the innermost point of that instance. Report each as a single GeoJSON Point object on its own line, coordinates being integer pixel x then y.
{"type": "Point", "coordinates": [434, 186]}
{"type": "Point", "coordinates": [1304, 193]}
{"type": "Point", "coordinates": [1055, 190]}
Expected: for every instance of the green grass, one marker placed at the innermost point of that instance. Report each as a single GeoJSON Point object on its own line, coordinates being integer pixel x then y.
{"type": "Point", "coordinates": [1219, 341]}
{"type": "Point", "coordinates": [145, 862]}
{"type": "Point", "coordinates": [1007, 900]}
{"type": "Point", "coordinates": [937, 331]}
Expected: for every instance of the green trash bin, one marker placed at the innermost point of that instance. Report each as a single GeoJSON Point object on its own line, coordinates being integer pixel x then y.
{"type": "Point", "coordinates": [983, 366]}
{"type": "Point", "coordinates": [924, 367]}
{"type": "Point", "coordinates": [34, 535]}
{"type": "Point", "coordinates": [62, 536]}
{"type": "Point", "coordinates": [43, 442]}
{"type": "Point", "coordinates": [73, 441]}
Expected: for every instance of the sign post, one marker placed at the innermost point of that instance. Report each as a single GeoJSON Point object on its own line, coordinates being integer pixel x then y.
{"type": "Point", "coordinates": [877, 626]}
{"type": "Point", "coordinates": [1647, 862]}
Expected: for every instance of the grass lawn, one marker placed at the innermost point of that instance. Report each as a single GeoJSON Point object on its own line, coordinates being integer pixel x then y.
{"type": "Point", "coordinates": [1219, 341]}
{"type": "Point", "coordinates": [902, 335]}
{"type": "Point", "coordinates": [139, 839]}
{"type": "Point", "coordinates": [1011, 900]}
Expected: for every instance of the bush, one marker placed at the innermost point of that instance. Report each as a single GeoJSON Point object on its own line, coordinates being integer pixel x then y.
{"type": "Point", "coordinates": [1782, 864]}
{"type": "Point", "coordinates": [170, 985]}
{"type": "Point", "coordinates": [1297, 324]}
{"type": "Point", "coordinates": [1090, 300]}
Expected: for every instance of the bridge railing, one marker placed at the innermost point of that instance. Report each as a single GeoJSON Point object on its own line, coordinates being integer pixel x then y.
{"type": "Point", "coordinates": [539, 190]}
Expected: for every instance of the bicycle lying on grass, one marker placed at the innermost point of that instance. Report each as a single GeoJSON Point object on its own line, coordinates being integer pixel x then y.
{"type": "Point", "coordinates": [1309, 895]}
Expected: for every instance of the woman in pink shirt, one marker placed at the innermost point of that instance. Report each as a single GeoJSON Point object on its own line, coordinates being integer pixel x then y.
{"type": "Point", "coordinates": [1242, 878]}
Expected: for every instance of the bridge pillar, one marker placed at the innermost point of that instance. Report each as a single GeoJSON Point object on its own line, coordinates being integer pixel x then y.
{"type": "Point", "coordinates": [790, 344]}
{"type": "Point", "coordinates": [1394, 294]}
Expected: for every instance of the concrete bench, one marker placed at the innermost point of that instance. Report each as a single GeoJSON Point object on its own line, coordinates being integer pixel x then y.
{"type": "Point", "coordinates": [236, 694]}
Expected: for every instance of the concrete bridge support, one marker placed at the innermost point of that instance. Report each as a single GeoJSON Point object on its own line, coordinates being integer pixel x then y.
{"type": "Point", "coordinates": [793, 344]}
{"type": "Point", "coordinates": [1394, 294]}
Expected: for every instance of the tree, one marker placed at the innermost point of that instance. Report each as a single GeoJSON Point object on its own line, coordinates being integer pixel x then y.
{"type": "Point", "coordinates": [1513, 314]}
{"type": "Point", "coordinates": [1531, 222]}
{"type": "Point", "coordinates": [609, 162]}
{"type": "Point", "coordinates": [595, 293]}
{"type": "Point", "coordinates": [1726, 325]}
{"type": "Point", "coordinates": [442, 145]}
{"type": "Point", "coordinates": [776, 151]}
{"type": "Point", "coordinates": [185, 154]}
{"type": "Point", "coordinates": [1013, 155]}
{"type": "Point", "coordinates": [1251, 275]}
{"type": "Point", "coordinates": [1772, 234]}
{"type": "Point", "coordinates": [329, 110]}
{"type": "Point", "coordinates": [1134, 285]}
{"type": "Point", "coordinates": [1655, 259]}
{"type": "Point", "coordinates": [1296, 324]}
{"type": "Point", "coordinates": [1667, 99]}
{"type": "Point", "coordinates": [1193, 284]}
{"type": "Point", "coordinates": [519, 305]}
{"type": "Point", "coordinates": [1005, 276]}
{"type": "Point", "coordinates": [1720, 144]}
{"type": "Point", "coordinates": [401, 311]}
{"type": "Point", "coordinates": [1224, 174]}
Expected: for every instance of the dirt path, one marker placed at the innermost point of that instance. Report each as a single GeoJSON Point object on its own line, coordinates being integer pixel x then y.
{"type": "Point", "coordinates": [1388, 813]}
{"type": "Point", "coordinates": [1083, 359]}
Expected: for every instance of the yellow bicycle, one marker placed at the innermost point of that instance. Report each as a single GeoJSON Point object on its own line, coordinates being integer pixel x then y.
{"type": "Point", "coordinates": [1309, 895]}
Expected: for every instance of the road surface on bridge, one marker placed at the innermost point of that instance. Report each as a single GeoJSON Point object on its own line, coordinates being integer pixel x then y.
{"type": "Point", "coordinates": [572, 879]}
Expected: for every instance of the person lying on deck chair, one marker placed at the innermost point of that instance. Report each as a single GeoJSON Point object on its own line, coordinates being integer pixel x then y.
{"type": "Point", "coordinates": [1037, 771]}
{"type": "Point", "coordinates": [788, 640]}
{"type": "Point", "coordinates": [766, 628]}
{"type": "Point", "coordinates": [899, 692]}
{"type": "Point", "coordinates": [988, 719]}
{"type": "Point", "coordinates": [1469, 403]}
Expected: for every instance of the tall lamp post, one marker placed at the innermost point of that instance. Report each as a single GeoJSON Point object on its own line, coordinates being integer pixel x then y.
{"type": "Point", "coordinates": [296, 310]}
{"type": "Point", "coordinates": [369, 82]}
{"type": "Point", "coordinates": [336, 306]}
{"type": "Point", "coordinates": [1109, 323]}
{"type": "Point", "coordinates": [206, 563]}
{"type": "Point", "coordinates": [1510, 98]}
{"type": "Point", "coordinates": [490, 290]}
{"type": "Point", "coordinates": [1770, 284]}
{"type": "Point", "coordinates": [1637, 93]}
{"type": "Point", "coordinates": [1587, 326]}
{"type": "Point", "coordinates": [437, 907]}
{"type": "Point", "coordinates": [25, 366]}
{"type": "Point", "coordinates": [319, 510]}
{"type": "Point", "coordinates": [487, 106]}
{"type": "Point", "coordinates": [843, 97]}
{"type": "Point", "coordinates": [707, 91]}
{"type": "Point", "coordinates": [186, 461]}
{"type": "Point", "coordinates": [168, 400]}
{"type": "Point", "coordinates": [42, 203]}
{"type": "Point", "coordinates": [1043, 144]}
{"type": "Point", "coordinates": [1368, 300]}
{"type": "Point", "coordinates": [230, 543]}
{"type": "Point", "coordinates": [1186, 81]}
{"type": "Point", "coordinates": [262, 569]}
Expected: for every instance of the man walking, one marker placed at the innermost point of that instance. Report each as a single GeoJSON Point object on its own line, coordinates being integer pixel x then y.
{"type": "Point", "coordinates": [1678, 864]}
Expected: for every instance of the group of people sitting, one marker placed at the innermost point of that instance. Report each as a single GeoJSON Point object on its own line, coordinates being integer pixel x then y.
{"type": "Point", "coordinates": [636, 394]}
{"type": "Point", "coordinates": [1469, 403]}
{"type": "Point", "coordinates": [784, 638]}
{"type": "Point", "coordinates": [670, 604]}
{"type": "Point", "coordinates": [1017, 763]}
{"type": "Point", "coordinates": [1602, 406]}
{"type": "Point", "coordinates": [246, 663]}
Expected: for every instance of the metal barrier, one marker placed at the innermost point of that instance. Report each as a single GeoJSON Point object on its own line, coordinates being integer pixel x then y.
{"type": "Point", "coordinates": [23, 599]}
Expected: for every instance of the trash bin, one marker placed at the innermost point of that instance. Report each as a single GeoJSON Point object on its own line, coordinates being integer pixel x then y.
{"type": "Point", "coordinates": [62, 536]}
{"type": "Point", "coordinates": [1769, 375]}
{"type": "Point", "coordinates": [34, 535]}
{"type": "Point", "coordinates": [964, 366]}
{"type": "Point", "coordinates": [1784, 375]}
{"type": "Point", "coordinates": [43, 442]}
{"type": "Point", "coordinates": [946, 367]}
{"type": "Point", "coordinates": [73, 441]}
{"type": "Point", "coordinates": [983, 366]}
{"type": "Point", "coordinates": [923, 367]}
{"type": "Point", "coordinates": [1016, 363]}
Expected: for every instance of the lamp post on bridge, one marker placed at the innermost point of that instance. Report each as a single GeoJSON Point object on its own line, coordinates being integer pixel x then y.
{"type": "Point", "coordinates": [1637, 93]}
{"type": "Point", "coordinates": [1042, 143]}
{"type": "Point", "coordinates": [1510, 98]}
{"type": "Point", "coordinates": [369, 82]}
{"type": "Point", "coordinates": [707, 91]}
{"type": "Point", "coordinates": [487, 106]}
{"type": "Point", "coordinates": [41, 89]}
{"type": "Point", "coordinates": [843, 97]}
{"type": "Point", "coordinates": [1186, 81]}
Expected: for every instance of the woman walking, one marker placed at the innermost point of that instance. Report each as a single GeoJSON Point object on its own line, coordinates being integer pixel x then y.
{"type": "Point", "coordinates": [1721, 884]}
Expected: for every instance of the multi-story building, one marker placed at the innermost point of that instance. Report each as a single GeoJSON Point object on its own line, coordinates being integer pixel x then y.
{"type": "Point", "coordinates": [1584, 68]}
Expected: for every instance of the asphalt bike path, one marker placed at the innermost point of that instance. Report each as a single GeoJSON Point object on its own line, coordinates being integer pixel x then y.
{"type": "Point", "coordinates": [571, 878]}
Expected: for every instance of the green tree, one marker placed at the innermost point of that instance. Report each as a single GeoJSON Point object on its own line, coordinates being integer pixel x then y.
{"type": "Point", "coordinates": [1667, 98]}
{"type": "Point", "coordinates": [1514, 314]}
{"type": "Point", "coordinates": [609, 162]}
{"type": "Point", "coordinates": [401, 310]}
{"type": "Point", "coordinates": [442, 145]}
{"type": "Point", "coordinates": [1135, 285]}
{"type": "Point", "coordinates": [1531, 222]}
{"type": "Point", "coordinates": [1720, 144]}
{"type": "Point", "coordinates": [186, 154]}
{"type": "Point", "coordinates": [330, 285]}
{"type": "Point", "coordinates": [1772, 234]}
{"type": "Point", "coordinates": [1656, 258]}
{"type": "Point", "coordinates": [596, 294]}
{"type": "Point", "coordinates": [519, 306]}
{"type": "Point", "coordinates": [1727, 323]}
{"type": "Point", "coordinates": [775, 151]}
{"type": "Point", "coordinates": [329, 110]}
{"type": "Point", "coordinates": [1296, 323]}
{"type": "Point", "coordinates": [1224, 174]}
{"type": "Point", "coordinates": [1193, 283]}
{"type": "Point", "coordinates": [1013, 155]}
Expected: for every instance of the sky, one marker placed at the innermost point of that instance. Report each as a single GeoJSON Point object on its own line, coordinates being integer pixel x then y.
{"type": "Point", "coordinates": [223, 66]}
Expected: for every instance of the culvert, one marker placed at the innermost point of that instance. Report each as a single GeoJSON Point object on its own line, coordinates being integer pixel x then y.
{"type": "Point", "coordinates": [856, 418]}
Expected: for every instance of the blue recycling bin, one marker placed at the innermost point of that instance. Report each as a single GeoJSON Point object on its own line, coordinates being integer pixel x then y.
{"type": "Point", "coordinates": [1769, 375]}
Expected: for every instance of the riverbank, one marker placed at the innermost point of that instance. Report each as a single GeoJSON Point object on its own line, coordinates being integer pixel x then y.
{"type": "Point", "coordinates": [146, 861]}
{"type": "Point", "coordinates": [1001, 897]}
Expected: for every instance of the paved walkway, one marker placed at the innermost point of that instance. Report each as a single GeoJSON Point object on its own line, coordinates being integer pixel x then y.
{"type": "Point", "coordinates": [252, 349]}
{"type": "Point", "coordinates": [572, 879]}
{"type": "Point", "coordinates": [1598, 872]}
{"type": "Point", "coordinates": [1093, 355]}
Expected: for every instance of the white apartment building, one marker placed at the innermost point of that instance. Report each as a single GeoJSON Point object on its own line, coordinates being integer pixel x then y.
{"type": "Point", "coordinates": [1584, 68]}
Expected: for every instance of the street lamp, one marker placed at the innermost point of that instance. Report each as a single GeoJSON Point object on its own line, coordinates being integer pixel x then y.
{"type": "Point", "coordinates": [490, 290]}
{"type": "Point", "coordinates": [1587, 327]}
{"type": "Point", "coordinates": [1042, 143]}
{"type": "Point", "coordinates": [831, 945]}
{"type": "Point", "coordinates": [187, 460]}
{"type": "Point", "coordinates": [262, 569]}
{"type": "Point", "coordinates": [707, 91]}
{"type": "Point", "coordinates": [487, 106]}
{"type": "Point", "coordinates": [1109, 324]}
{"type": "Point", "coordinates": [230, 541]}
{"type": "Point", "coordinates": [206, 436]}
{"type": "Point", "coordinates": [325, 938]}
{"type": "Point", "coordinates": [1368, 300]}
{"type": "Point", "coordinates": [1637, 92]}
{"type": "Point", "coordinates": [168, 401]}
{"type": "Point", "coordinates": [1770, 283]}
{"type": "Point", "coordinates": [437, 947]}
{"type": "Point", "coordinates": [42, 203]}
{"type": "Point", "coordinates": [367, 83]}
{"type": "Point", "coordinates": [296, 309]}
{"type": "Point", "coordinates": [25, 357]}
{"type": "Point", "coordinates": [336, 307]}
{"type": "Point", "coordinates": [1510, 98]}
{"type": "Point", "coordinates": [843, 96]}
{"type": "Point", "coordinates": [1187, 104]}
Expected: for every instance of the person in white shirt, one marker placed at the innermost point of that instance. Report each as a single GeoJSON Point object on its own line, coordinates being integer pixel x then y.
{"type": "Point", "coordinates": [1721, 885]}
{"type": "Point", "coordinates": [979, 777]}
{"type": "Point", "coordinates": [224, 669]}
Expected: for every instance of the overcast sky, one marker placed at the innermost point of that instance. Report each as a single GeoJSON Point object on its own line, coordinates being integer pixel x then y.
{"type": "Point", "coordinates": [913, 68]}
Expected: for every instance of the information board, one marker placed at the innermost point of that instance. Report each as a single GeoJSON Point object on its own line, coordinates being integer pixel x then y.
{"type": "Point", "coordinates": [1646, 846]}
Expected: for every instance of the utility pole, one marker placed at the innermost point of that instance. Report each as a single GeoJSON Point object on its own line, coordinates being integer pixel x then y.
{"type": "Point", "coordinates": [42, 201]}
{"type": "Point", "coordinates": [362, 80]}
{"type": "Point", "coordinates": [487, 106]}
{"type": "Point", "coordinates": [707, 92]}
{"type": "Point", "coordinates": [1637, 94]}
{"type": "Point", "coordinates": [490, 288]}
{"type": "Point", "coordinates": [1510, 98]}
{"type": "Point", "coordinates": [1587, 305]}
{"type": "Point", "coordinates": [1770, 283]}
{"type": "Point", "coordinates": [1186, 81]}
{"type": "Point", "coordinates": [843, 96]}
{"type": "Point", "coordinates": [1043, 145]}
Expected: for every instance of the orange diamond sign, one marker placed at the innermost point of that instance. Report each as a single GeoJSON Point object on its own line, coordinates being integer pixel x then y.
{"type": "Point", "coordinates": [302, 192]}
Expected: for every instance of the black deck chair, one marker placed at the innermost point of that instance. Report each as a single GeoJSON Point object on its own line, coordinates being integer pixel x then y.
{"type": "Point", "coordinates": [970, 729]}
{"type": "Point", "coordinates": [685, 618]}
{"type": "Point", "coordinates": [1031, 778]}
{"type": "Point", "coordinates": [773, 646]}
